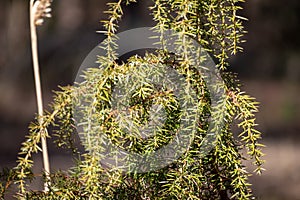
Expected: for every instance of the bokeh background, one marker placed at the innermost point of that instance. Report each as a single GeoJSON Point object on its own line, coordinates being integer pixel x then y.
{"type": "Point", "coordinates": [269, 69]}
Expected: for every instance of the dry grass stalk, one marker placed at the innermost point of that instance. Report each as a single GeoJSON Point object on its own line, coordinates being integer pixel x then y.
{"type": "Point", "coordinates": [39, 10]}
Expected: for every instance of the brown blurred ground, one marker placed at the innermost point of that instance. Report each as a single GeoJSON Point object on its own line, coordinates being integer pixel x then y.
{"type": "Point", "coordinates": [269, 68]}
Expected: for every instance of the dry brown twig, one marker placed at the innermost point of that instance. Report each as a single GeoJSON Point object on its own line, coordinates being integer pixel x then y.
{"type": "Point", "coordinates": [39, 9]}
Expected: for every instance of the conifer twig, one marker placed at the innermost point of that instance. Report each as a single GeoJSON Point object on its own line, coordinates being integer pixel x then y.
{"type": "Point", "coordinates": [38, 10]}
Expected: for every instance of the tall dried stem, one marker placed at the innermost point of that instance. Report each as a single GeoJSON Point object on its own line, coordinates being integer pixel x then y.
{"type": "Point", "coordinates": [38, 10]}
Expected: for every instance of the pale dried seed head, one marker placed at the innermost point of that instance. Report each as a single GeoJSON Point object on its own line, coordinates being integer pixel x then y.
{"type": "Point", "coordinates": [48, 15]}
{"type": "Point", "coordinates": [48, 10]}
{"type": "Point", "coordinates": [41, 10]}
{"type": "Point", "coordinates": [39, 22]}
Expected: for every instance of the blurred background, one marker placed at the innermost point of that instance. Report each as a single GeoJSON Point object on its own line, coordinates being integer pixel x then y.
{"type": "Point", "coordinates": [269, 69]}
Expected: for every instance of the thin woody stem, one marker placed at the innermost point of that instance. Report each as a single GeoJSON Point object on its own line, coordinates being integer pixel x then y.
{"type": "Point", "coordinates": [34, 49]}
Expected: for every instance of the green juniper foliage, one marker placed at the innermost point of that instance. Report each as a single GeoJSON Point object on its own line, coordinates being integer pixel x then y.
{"type": "Point", "coordinates": [218, 174]}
